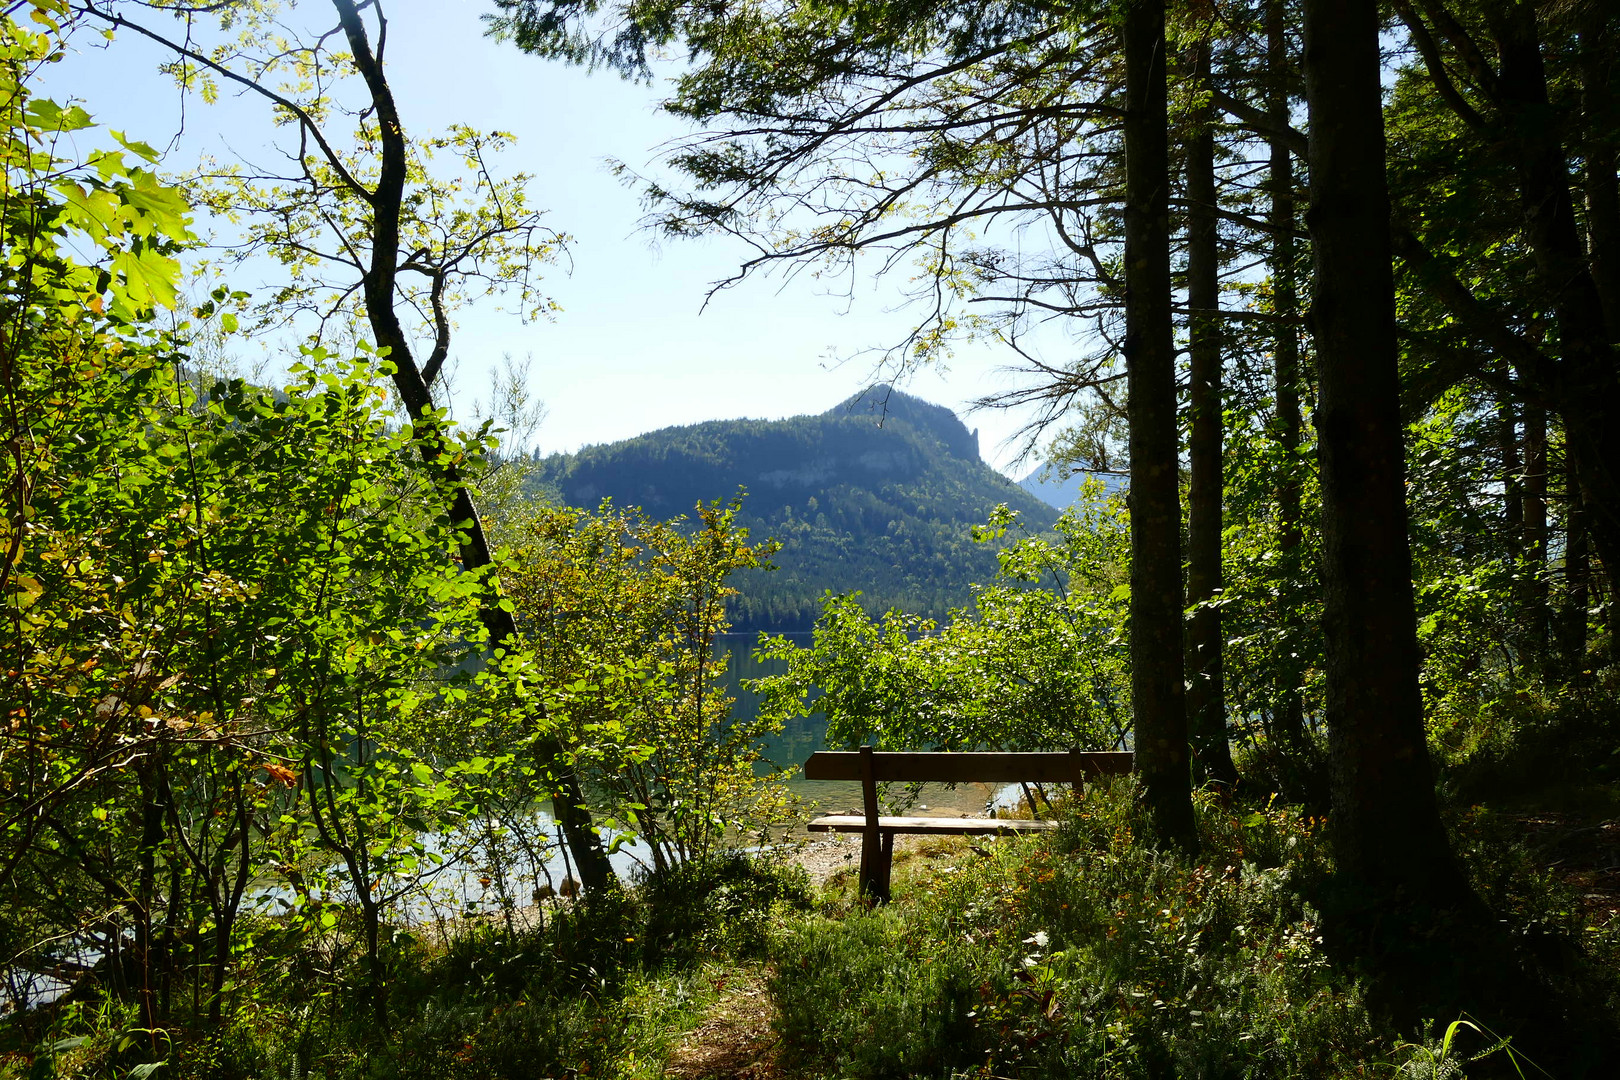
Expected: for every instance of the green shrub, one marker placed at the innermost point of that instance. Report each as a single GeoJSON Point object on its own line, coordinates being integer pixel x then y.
{"type": "Point", "coordinates": [597, 988]}
{"type": "Point", "coordinates": [875, 995]}
{"type": "Point", "coordinates": [1525, 739]}
{"type": "Point", "coordinates": [1085, 955]}
{"type": "Point", "coordinates": [597, 984]}
{"type": "Point", "coordinates": [719, 906]}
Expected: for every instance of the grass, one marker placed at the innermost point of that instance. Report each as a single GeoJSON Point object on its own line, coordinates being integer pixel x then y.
{"type": "Point", "coordinates": [1087, 954]}
{"type": "Point", "coordinates": [604, 989]}
{"type": "Point", "coordinates": [1080, 953]}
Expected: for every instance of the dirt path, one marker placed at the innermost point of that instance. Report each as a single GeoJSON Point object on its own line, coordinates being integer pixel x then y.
{"type": "Point", "coordinates": [828, 854]}
{"type": "Point", "coordinates": [734, 1042]}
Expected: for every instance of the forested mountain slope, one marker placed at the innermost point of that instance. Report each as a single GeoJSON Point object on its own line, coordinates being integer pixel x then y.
{"type": "Point", "coordinates": [878, 493]}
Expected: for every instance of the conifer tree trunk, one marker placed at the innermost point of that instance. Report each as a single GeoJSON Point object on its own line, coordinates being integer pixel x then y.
{"type": "Point", "coordinates": [1289, 724]}
{"type": "Point", "coordinates": [1206, 689]}
{"type": "Point", "coordinates": [1582, 384]}
{"type": "Point", "coordinates": [1577, 572]}
{"type": "Point", "coordinates": [1535, 607]}
{"type": "Point", "coordinates": [1586, 386]}
{"type": "Point", "coordinates": [1507, 425]}
{"type": "Point", "coordinates": [1386, 824]}
{"type": "Point", "coordinates": [1599, 88]}
{"type": "Point", "coordinates": [1508, 438]}
{"type": "Point", "coordinates": [1158, 695]}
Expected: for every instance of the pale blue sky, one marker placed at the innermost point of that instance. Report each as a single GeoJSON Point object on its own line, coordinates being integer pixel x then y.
{"type": "Point", "coordinates": [630, 351]}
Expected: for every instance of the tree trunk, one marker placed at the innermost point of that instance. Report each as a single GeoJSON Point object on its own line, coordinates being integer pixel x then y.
{"type": "Point", "coordinates": [1507, 434]}
{"type": "Point", "coordinates": [171, 936]}
{"type": "Point", "coordinates": [228, 902]}
{"type": "Point", "coordinates": [371, 918]}
{"type": "Point", "coordinates": [1387, 831]}
{"type": "Point", "coordinates": [1289, 724]}
{"type": "Point", "coordinates": [1206, 690]}
{"type": "Point", "coordinates": [379, 283]}
{"type": "Point", "coordinates": [1598, 91]}
{"type": "Point", "coordinates": [1583, 384]}
{"type": "Point", "coordinates": [1534, 610]}
{"type": "Point", "coordinates": [1578, 281]}
{"type": "Point", "coordinates": [1577, 573]}
{"type": "Point", "coordinates": [1158, 695]}
{"type": "Point", "coordinates": [146, 890]}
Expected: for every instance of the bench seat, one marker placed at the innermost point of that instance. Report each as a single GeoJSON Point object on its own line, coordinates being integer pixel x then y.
{"type": "Point", "coordinates": [938, 826]}
{"type": "Point", "coordinates": [871, 767]}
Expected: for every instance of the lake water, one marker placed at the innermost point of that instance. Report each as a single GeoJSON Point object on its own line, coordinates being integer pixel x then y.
{"type": "Point", "coordinates": [463, 887]}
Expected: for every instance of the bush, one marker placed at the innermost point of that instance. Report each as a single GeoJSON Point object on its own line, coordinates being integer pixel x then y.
{"type": "Point", "coordinates": [1085, 955]}
{"type": "Point", "coordinates": [1520, 739]}
{"type": "Point", "coordinates": [592, 988]}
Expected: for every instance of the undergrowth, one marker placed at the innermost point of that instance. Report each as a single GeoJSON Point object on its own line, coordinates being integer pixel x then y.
{"type": "Point", "coordinates": [594, 989]}
{"type": "Point", "coordinates": [1080, 953]}
{"type": "Point", "coordinates": [1087, 954]}
{"type": "Point", "coordinates": [1084, 955]}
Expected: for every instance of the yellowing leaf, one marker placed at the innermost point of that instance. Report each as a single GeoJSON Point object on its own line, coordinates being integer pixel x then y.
{"type": "Point", "coordinates": [280, 773]}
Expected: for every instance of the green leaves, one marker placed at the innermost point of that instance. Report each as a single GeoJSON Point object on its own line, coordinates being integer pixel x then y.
{"type": "Point", "coordinates": [144, 281]}
{"type": "Point", "coordinates": [1025, 668]}
{"type": "Point", "coordinates": [618, 614]}
{"type": "Point", "coordinates": [124, 213]}
{"type": "Point", "coordinates": [45, 115]}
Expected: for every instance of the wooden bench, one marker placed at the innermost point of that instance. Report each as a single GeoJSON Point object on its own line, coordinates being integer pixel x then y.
{"type": "Point", "coordinates": [872, 767]}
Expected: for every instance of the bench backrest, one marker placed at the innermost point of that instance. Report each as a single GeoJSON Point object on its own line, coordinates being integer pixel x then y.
{"type": "Point", "coordinates": [1063, 767]}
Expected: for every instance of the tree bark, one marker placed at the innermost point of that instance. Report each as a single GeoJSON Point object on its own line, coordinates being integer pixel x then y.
{"type": "Point", "coordinates": [1583, 384]}
{"type": "Point", "coordinates": [1577, 573]}
{"type": "Point", "coordinates": [1387, 831]}
{"type": "Point", "coordinates": [1533, 567]}
{"type": "Point", "coordinates": [145, 898]}
{"type": "Point", "coordinates": [387, 199]}
{"type": "Point", "coordinates": [1158, 695]}
{"type": "Point", "coordinates": [1206, 689]}
{"type": "Point", "coordinates": [1289, 724]}
{"type": "Point", "coordinates": [1507, 434]}
{"type": "Point", "coordinates": [1598, 89]}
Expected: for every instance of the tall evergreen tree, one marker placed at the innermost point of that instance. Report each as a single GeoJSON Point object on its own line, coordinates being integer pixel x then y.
{"type": "Point", "coordinates": [1289, 721]}
{"type": "Point", "coordinates": [1386, 822]}
{"type": "Point", "coordinates": [1493, 66]}
{"type": "Point", "coordinates": [1534, 612]}
{"type": "Point", "coordinates": [1206, 688]}
{"type": "Point", "coordinates": [1158, 696]}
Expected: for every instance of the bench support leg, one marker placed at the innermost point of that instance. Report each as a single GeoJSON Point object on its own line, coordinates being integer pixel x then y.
{"type": "Point", "coordinates": [871, 861]}
{"type": "Point", "coordinates": [875, 846]}
{"type": "Point", "coordinates": [877, 860]}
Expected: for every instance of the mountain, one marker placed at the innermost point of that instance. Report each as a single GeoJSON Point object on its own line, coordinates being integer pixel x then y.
{"type": "Point", "coordinates": [879, 494]}
{"type": "Point", "coordinates": [1061, 492]}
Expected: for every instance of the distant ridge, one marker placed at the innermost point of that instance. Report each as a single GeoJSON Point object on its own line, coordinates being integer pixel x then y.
{"type": "Point", "coordinates": [1061, 492]}
{"type": "Point", "coordinates": [878, 493]}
